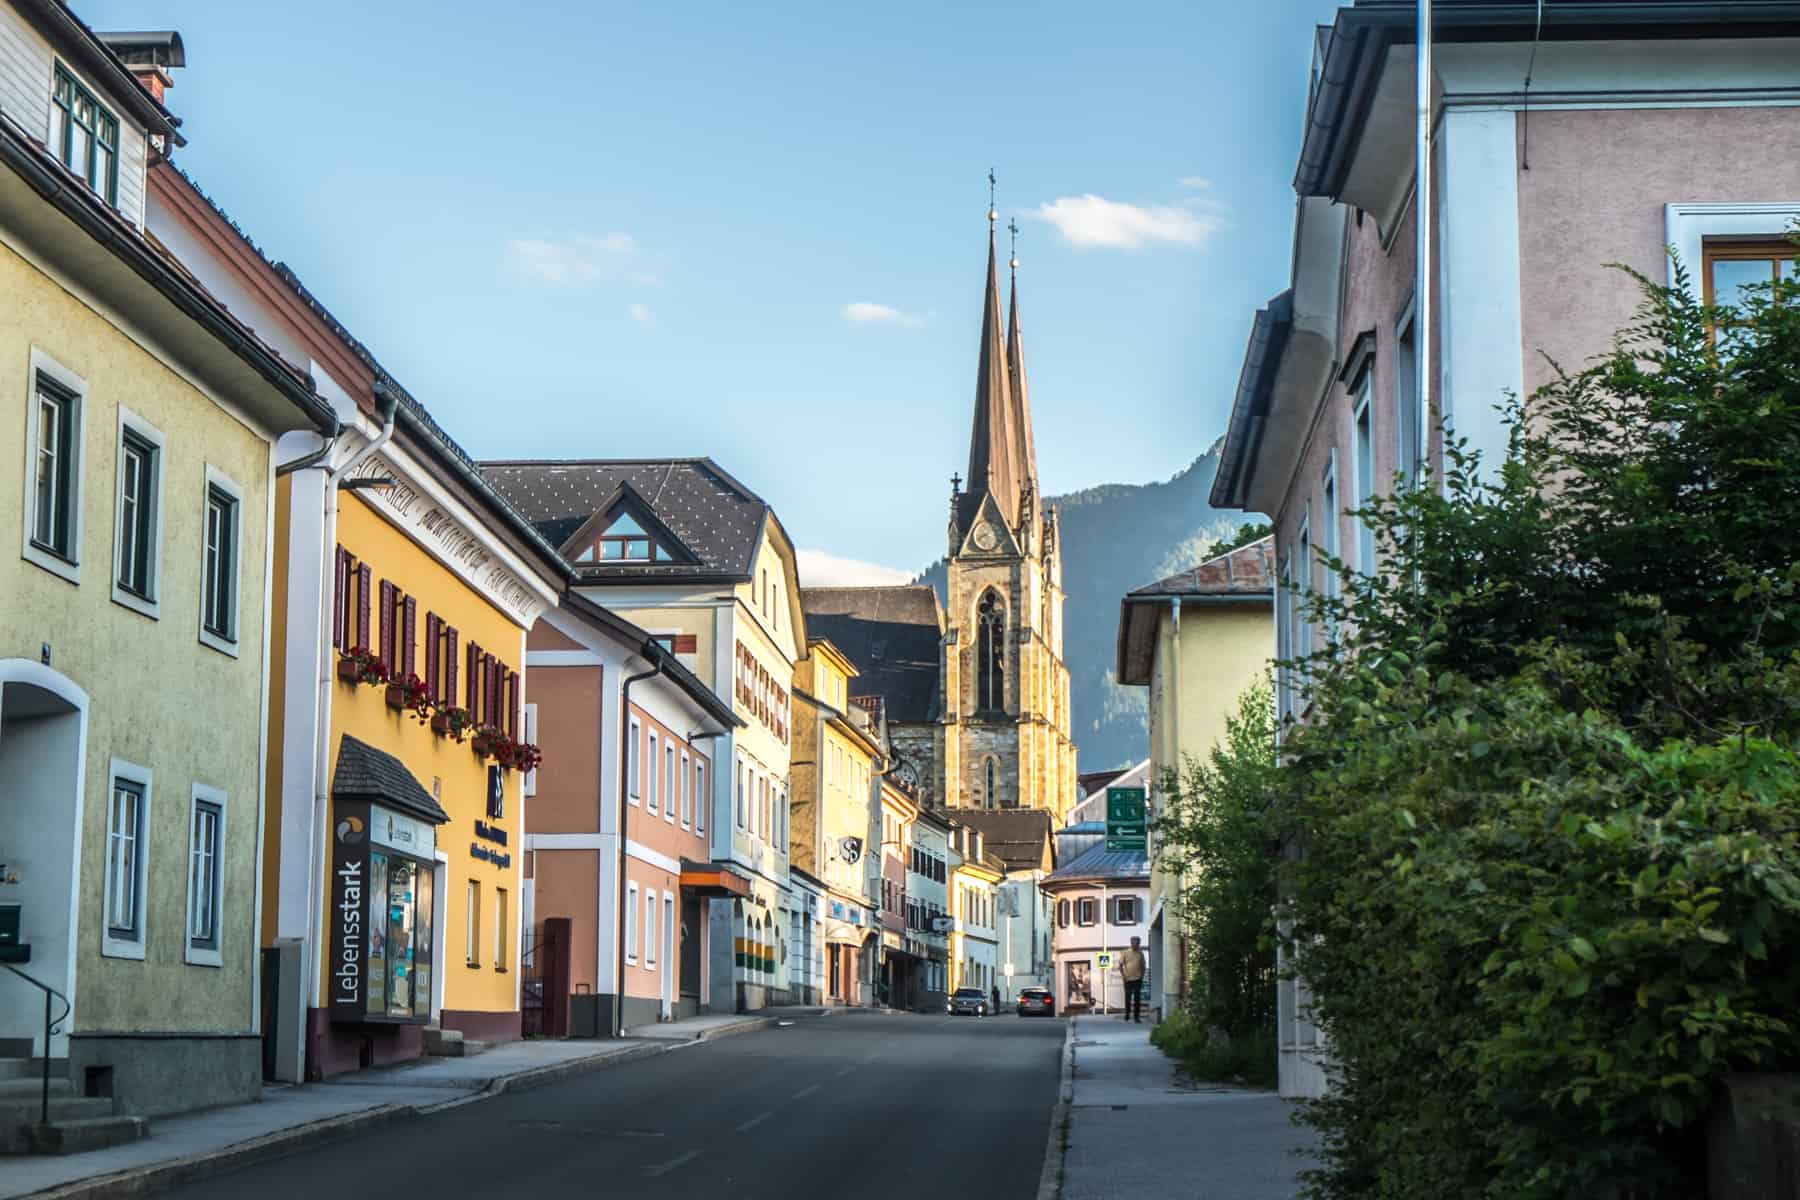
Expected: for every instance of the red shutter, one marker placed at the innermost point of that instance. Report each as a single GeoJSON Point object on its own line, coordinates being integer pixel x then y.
{"type": "Point", "coordinates": [432, 627]}
{"type": "Point", "coordinates": [449, 665]}
{"type": "Point", "coordinates": [512, 705]}
{"type": "Point", "coordinates": [340, 615]}
{"type": "Point", "coordinates": [364, 577]}
{"type": "Point", "coordinates": [408, 632]}
{"type": "Point", "coordinates": [472, 685]}
{"type": "Point", "coordinates": [490, 690]}
{"type": "Point", "coordinates": [388, 639]}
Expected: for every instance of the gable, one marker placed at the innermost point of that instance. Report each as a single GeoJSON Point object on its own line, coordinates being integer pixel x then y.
{"type": "Point", "coordinates": [625, 530]}
{"type": "Point", "coordinates": [988, 534]}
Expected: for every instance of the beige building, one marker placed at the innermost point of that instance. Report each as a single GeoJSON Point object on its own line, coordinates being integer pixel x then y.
{"type": "Point", "coordinates": [1198, 640]}
{"type": "Point", "coordinates": [134, 620]}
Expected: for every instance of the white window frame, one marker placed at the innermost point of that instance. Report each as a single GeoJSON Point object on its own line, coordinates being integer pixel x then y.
{"type": "Point", "coordinates": [1362, 439]}
{"type": "Point", "coordinates": [649, 929]}
{"type": "Point", "coordinates": [1687, 225]}
{"type": "Point", "coordinates": [700, 797]}
{"type": "Point", "coordinates": [501, 917]}
{"type": "Point", "coordinates": [1303, 563]}
{"type": "Point", "coordinates": [472, 923]}
{"type": "Point", "coordinates": [671, 783]}
{"type": "Point", "coordinates": [132, 947]}
{"type": "Point", "coordinates": [43, 365]}
{"type": "Point", "coordinates": [631, 937]}
{"type": "Point", "coordinates": [528, 781]}
{"type": "Point", "coordinates": [1410, 408]}
{"type": "Point", "coordinates": [191, 952]}
{"type": "Point", "coordinates": [130, 422]}
{"type": "Point", "coordinates": [650, 783]}
{"type": "Point", "coordinates": [686, 788]}
{"type": "Point", "coordinates": [741, 802]}
{"type": "Point", "coordinates": [634, 768]}
{"type": "Point", "coordinates": [216, 478]}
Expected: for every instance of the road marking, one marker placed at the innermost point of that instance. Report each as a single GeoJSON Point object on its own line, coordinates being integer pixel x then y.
{"type": "Point", "coordinates": [806, 1091]}
{"type": "Point", "coordinates": [753, 1122]}
{"type": "Point", "coordinates": [678, 1160]}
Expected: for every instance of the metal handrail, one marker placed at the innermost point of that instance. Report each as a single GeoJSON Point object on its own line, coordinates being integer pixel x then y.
{"type": "Point", "coordinates": [49, 1028]}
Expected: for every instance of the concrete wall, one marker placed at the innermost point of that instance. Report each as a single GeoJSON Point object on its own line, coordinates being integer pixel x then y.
{"type": "Point", "coordinates": [153, 1075]}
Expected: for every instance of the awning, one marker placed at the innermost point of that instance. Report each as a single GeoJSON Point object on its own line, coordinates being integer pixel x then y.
{"type": "Point", "coordinates": [713, 879]}
{"type": "Point", "coordinates": [365, 773]}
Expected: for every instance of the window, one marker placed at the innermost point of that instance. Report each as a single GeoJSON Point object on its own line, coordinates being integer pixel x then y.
{"type": "Point", "coordinates": [650, 793]}
{"type": "Point", "coordinates": [668, 919]}
{"type": "Point", "coordinates": [626, 541]}
{"type": "Point", "coordinates": [1085, 911]}
{"type": "Point", "coordinates": [700, 797]}
{"type": "Point", "coordinates": [1409, 411]}
{"type": "Point", "coordinates": [53, 472]}
{"type": "Point", "coordinates": [85, 136]}
{"type": "Point", "coordinates": [206, 840]}
{"type": "Point", "coordinates": [687, 785]}
{"type": "Point", "coordinates": [634, 768]}
{"type": "Point", "coordinates": [219, 582]}
{"type": "Point", "coordinates": [631, 942]}
{"type": "Point", "coordinates": [781, 816]}
{"type": "Point", "coordinates": [1124, 910]}
{"type": "Point", "coordinates": [669, 782]}
{"type": "Point", "coordinates": [743, 800]}
{"type": "Point", "coordinates": [501, 930]}
{"type": "Point", "coordinates": [990, 784]}
{"type": "Point", "coordinates": [1733, 269]}
{"type": "Point", "coordinates": [650, 929]}
{"type": "Point", "coordinates": [472, 924]}
{"type": "Point", "coordinates": [1330, 516]}
{"type": "Point", "coordinates": [1365, 474]}
{"type": "Point", "coordinates": [529, 780]}
{"type": "Point", "coordinates": [127, 848]}
{"type": "Point", "coordinates": [1284, 637]}
{"type": "Point", "coordinates": [135, 550]}
{"type": "Point", "coordinates": [990, 649]}
{"type": "Point", "coordinates": [1303, 576]}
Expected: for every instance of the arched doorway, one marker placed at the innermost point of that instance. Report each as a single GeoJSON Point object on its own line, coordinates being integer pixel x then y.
{"type": "Point", "coordinates": [43, 748]}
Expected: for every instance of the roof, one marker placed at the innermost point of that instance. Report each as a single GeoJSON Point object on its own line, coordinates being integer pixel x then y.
{"type": "Point", "coordinates": [1102, 865]}
{"type": "Point", "coordinates": [998, 455]}
{"type": "Point", "coordinates": [1084, 827]}
{"type": "Point", "coordinates": [1018, 837]}
{"type": "Point", "coordinates": [1245, 575]}
{"type": "Point", "coordinates": [94, 56]}
{"type": "Point", "coordinates": [1093, 781]}
{"type": "Point", "coordinates": [717, 520]}
{"type": "Point", "coordinates": [365, 773]}
{"type": "Point", "coordinates": [892, 634]}
{"type": "Point", "coordinates": [1250, 408]}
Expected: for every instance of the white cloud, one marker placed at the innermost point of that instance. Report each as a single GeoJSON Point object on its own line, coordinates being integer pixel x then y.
{"type": "Point", "coordinates": [1089, 222]}
{"type": "Point", "coordinates": [863, 312]}
{"type": "Point", "coordinates": [1194, 183]}
{"type": "Point", "coordinates": [576, 259]}
{"type": "Point", "coordinates": [819, 569]}
{"type": "Point", "coordinates": [641, 314]}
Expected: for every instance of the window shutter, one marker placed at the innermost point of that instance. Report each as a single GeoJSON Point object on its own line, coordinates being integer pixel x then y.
{"type": "Point", "coordinates": [364, 577]}
{"type": "Point", "coordinates": [340, 595]}
{"type": "Point", "coordinates": [407, 660]}
{"type": "Point", "coordinates": [388, 639]}
{"type": "Point", "coordinates": [449, 664]}
{"type": "Point", "coordinates": [472, 685]}
{"type": "Point", "coordinates": [432, 628]}
{"type": "Point", "coordinates": [490, 689]}
{"type": "Point", "coordinates": [512, 705]}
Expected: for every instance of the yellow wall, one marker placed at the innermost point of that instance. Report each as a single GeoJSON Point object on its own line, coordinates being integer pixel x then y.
{"type": "Point", "coordinates": [449, 768]}
{"type": "Point", "coordinates": [159, 698]}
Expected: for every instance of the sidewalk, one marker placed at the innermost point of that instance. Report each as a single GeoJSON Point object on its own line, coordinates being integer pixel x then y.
{"type": "Point", "coordinates": [291, 1117]}
{"type": "Point", "coordinates": [1136, 1129]}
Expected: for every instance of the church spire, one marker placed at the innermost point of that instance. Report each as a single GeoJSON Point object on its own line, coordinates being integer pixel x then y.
{"type": "Point", "coordinates": [994, 457]}
{"type": "Point", "coordinates": [1015, 375]}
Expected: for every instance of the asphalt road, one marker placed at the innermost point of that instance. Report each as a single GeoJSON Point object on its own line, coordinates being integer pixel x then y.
{"type": "Point", "coordinates": [853, 1105]}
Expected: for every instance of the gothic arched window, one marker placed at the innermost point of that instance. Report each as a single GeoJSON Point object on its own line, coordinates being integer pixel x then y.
{"type": "Point", "coordinates": [990, 651]}
{"type": "Point", "coordinates": [990, 784]}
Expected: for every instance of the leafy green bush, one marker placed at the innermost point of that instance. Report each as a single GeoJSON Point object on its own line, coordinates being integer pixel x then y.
{"type": "Point", "coordinates": [1248, 1059]}
{"type": "Point", "coordinates": [1542, 812]}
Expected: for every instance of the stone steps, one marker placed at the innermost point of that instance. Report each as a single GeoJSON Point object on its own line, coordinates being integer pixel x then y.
{"type": "Point", "coordinates": [449, 1043]}
{"type": "Point", "coordinates": [92, 1133]}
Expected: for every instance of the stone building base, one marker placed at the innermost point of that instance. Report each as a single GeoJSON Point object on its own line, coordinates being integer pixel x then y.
{"type": "Point", "coordinates": [154, 1074]}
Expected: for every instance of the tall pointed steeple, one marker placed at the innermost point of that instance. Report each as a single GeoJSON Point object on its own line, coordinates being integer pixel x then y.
{"type": "Point", "coordinates": [994, 457]}
{"type": "Point", "coordinates": [1015, 376]}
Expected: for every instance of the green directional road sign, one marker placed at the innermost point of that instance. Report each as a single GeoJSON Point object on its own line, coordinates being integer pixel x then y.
{"type": "Point", "coordinates": [1125, 823]}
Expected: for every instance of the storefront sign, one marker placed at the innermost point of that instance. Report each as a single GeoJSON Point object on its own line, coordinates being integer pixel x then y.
{"type": "Point", "coordinates": [397, 831]}
{"type": "Point", "coordinates": [349, 910]}
{"type": "Point", "coordinates": [498, 858]}
{"type": "Point", "coordinates": [492, 833]}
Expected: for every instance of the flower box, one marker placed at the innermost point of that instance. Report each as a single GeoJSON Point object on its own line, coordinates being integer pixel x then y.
{"type": "Point", "coordinates": [440, 723]}
{"type": "Point", "coordinates": [396, 696]}
{"type": "Point", "coordinates": [349, 670]}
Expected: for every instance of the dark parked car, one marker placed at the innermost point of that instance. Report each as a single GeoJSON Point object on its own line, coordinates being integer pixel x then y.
{"type": "Point", "coordinates": [967, 1001]}
{"type": "Point", "coordinates": [1036, 1002]}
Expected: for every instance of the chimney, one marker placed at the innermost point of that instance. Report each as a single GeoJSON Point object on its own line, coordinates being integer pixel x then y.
{"type": "Point", "coordinates": [149, 55]}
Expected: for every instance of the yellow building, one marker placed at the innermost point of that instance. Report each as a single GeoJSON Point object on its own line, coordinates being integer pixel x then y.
{"type": "Point", "coordinates": [403, 587]}
{"type": "Point", "coordinates": [836, 760]}
{"type": "Point", "coordinates": [975, 878]}
{"type": "Point", "coordinates": [1198, 640]}
{"type": "Point", "coordinates": [143, 418]}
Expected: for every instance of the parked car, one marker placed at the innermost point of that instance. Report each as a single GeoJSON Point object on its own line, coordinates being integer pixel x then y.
{"type": "Point", "coordinates": [1036, 1002]}
{"type": "Point", "coordinates": [967, 1001]}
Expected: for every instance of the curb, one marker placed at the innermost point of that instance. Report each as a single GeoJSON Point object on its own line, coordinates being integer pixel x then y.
{"type": "Point", "coordinates": [1050, 1180]}
{"type": "Point", "coordinates": [749, 1025]}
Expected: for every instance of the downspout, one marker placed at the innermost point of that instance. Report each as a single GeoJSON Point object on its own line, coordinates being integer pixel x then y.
{"type": "Point", "coordinates": [386, 403]}
{"type": "Point", "coordinates": [624, 814]}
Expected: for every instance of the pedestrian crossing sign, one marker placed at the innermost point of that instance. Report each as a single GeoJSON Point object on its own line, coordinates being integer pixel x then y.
{"type": "Point", "coordinates": [1104, 959]}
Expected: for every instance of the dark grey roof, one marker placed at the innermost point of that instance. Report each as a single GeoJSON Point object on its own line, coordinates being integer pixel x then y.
{"type": "Point", "coordinates": [1100, 863]}
{"type": "Point", "coordinates": [1018, 837]}
{"type": "Point", "coordinates": [717, 519]}
{"type": "Point", "coordinates": [365, 773]}
{"type": "Point", "coordinates": [1084, 827]}
{"type": "Point", "coordinates": [892, 634]}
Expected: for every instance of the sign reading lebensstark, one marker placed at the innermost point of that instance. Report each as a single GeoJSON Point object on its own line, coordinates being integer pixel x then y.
{"type": "Point", "coordinates": [349, 911]}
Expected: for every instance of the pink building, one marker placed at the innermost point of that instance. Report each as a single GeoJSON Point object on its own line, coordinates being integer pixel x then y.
{"type": "Point", "coordinates": [1646, 126]}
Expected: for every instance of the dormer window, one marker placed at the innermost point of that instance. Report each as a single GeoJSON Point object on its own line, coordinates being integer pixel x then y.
{"type": "Point", "coordinates": [624, 541]}
{"type": "Point", "coordinates": [85, 136]}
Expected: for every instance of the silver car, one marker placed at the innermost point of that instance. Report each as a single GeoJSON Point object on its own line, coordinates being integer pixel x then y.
{"type": "Point", "coordinates": [970, 1002]}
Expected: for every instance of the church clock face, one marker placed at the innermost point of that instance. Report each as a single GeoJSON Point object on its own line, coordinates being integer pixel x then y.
{"type": "Point", "coordinates": [985, 537]}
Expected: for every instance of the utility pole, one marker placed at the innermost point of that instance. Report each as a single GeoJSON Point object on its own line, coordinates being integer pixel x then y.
{"type": "Point", "coordinates": [1422, 221]}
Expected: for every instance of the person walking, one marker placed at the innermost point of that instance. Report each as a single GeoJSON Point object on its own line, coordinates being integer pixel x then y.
{"type": "Point", "coordinates": [1131, 970]}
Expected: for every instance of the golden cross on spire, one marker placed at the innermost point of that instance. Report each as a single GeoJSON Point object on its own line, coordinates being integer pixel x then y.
{"type": "Point", "coordinates": [993, 213]}
{"type": "Point", "coordinates": [1012, 227]}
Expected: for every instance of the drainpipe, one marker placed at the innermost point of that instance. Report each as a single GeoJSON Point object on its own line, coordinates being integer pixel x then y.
{"type": "Point", "coordinates": [386, 404]}
{"type": "Point", "coordinates": [656, 669]}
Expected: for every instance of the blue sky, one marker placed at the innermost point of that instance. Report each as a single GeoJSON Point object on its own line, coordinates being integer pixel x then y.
{"type": "Point", "coordinates": [757, 232]}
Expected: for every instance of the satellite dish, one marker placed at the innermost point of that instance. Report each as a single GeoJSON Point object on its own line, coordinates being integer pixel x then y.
{"type": "Point", "coordinates": [850, 848]}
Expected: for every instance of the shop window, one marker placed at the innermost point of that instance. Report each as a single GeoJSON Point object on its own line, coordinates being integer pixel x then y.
{"type": "Point", "coordinates": [400, 939]}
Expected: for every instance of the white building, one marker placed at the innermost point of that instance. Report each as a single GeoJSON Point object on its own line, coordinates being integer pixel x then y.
{"type": "Point", "coordinates": [1100, 899]}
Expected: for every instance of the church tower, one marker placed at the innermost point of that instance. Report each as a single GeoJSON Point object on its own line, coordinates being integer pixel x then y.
{"type": "Point", "coordinates": [1005, 701]}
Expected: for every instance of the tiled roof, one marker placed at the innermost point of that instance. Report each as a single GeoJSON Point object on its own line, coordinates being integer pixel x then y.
{"type": "Point", "coordinates": [1247, 571]}
{"type": "Point", "coordinates": [892, 634]}
{"type": "Point", "coordinates": [717, 519]}
{"type": "Point", "coordinates": [1111, 866]}
{"type": "Point", "coordinates": [1018, 837]}
{"type": "Point", "coordinates": [365, 773]}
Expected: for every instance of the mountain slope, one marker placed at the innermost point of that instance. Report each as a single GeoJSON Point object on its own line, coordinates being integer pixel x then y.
{"type": "Point", "coordinates": [1117, 537]}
